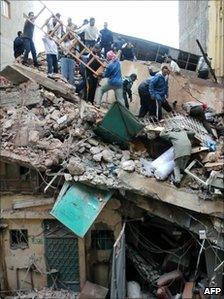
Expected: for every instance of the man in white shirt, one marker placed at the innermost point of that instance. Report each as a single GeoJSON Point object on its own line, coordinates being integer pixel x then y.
{"type": "Point", "coordinates": [70, 26]}
{"type": "Point", "coordinates": [173, 65]}
{"type": "Point", "coordinates": [91, 33]}
{"type": "Point", "coordinates": [51, 51]}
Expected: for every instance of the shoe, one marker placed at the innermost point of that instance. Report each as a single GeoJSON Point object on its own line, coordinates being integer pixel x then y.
{"type": "Point", "coordinates": [25, 63]}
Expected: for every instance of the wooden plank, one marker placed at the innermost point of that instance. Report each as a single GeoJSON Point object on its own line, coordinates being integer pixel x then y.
{"type": "Point", "coordinates": [32, 203]}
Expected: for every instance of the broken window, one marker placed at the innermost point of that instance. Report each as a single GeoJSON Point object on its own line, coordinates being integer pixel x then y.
{"type": "Point", "coordinates": [18, 238]}
{"type": "Point", "coordinates": [102, 239]}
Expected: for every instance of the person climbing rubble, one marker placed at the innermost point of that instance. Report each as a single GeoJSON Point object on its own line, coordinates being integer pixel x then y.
{"type": "Point", "coordinates": [127, 85]}
{"type": "Point", "coordinates": [114, 79]}
{"type": "Point", "coordinates": [180, 139]}
{"type": "Point", "coordinates": [153, 95]}
{"type": "Point", "coordinates": [197, 111]}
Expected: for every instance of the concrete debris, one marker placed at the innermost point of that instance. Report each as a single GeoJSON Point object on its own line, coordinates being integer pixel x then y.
{"type": "Point", "coordinates": [75, 167]}
{"type": "Point", "coordinates": [128, 165]}
{"type": "Point", "coordinates": [45, 293]}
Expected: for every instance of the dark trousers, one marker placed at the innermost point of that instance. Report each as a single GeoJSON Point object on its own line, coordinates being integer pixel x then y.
{"type": "Point", "coordinates": [29, 46]}
{"type": "Point", "coordinates": [52, 63]}
{"type": "Point", "coordinates": [92, 85]}
{"type": "Point", "coordinates": [18, 53]}
{"type": "Point", "coordinates": [125, 99]}
{"type": "Point", "coordinates": [203, 74]}
{"type": "Point", "coordinates": [106, 48]}
{"type": "Point", "coordinates": [157, 109]}
{"type": "Point", "coordinates": [153, 107]}
{"type": "Point", "coordinates": [144, 102]}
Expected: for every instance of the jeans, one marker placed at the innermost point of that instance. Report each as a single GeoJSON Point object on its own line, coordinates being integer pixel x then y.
{"type": "Point", "coordinates": [67, 69]}
{"type": "Point", "coordinates": [117, 90]}
{"type": "Point", "coordinates": [29, 46]}
{"type": "Point", "coordinates": [52, 63]}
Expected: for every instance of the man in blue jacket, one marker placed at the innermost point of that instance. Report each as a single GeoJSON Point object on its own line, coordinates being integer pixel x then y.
{"type": "Point", "coordinates": [158, 90]}
{"type": "Point", "coordinates": [106, 39]}
{"type": "Point", "coordinates": [114, 79]}
{"type": "Point", "coordinates": [18, 45]}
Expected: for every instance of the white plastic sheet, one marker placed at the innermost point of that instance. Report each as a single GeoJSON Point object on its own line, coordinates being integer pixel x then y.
{"type": "Point", "coordinates": [162, 166]}
{"type": "Point", "coordinates": [134, 290]}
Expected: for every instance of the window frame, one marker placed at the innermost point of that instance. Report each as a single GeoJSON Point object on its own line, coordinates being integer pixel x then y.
{"type": "Point", "coordinates": [20, 245]}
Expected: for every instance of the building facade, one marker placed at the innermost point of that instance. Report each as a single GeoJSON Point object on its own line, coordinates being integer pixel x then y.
{"type": "Point", "coordinates": [203, 20]}
{"type": "Point", "coordinates": [12, 21]}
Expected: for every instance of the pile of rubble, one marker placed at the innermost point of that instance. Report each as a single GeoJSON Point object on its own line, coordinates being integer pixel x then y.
{"type": "Point", "coordinates": [58, 134]}
{"type": "Point", "coordinates": [46, 293]}
{"type": "Point", "coordinates": [55, 135]}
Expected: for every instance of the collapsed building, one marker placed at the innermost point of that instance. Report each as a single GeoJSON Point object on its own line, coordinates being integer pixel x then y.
{"type": "Point", "coordinates": [79, 210]}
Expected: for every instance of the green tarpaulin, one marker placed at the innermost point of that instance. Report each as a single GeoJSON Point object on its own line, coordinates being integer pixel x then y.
{"type": "Point", "coordinates": [119, 126]}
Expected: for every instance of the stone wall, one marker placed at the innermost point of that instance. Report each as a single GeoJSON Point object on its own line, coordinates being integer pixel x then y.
{"type": "Point", "coordinates": [193, 24]}
{"type": "Point", "coordinates": [10, 26]}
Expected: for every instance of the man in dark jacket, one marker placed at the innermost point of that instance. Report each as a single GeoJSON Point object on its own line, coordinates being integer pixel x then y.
{"type": "Point", "coordinates": [91, 79]}
{"type": "Point", "coordinates": [28, 39]}
{"type": "Point", "coordinates": [18, 45]}
{"type": "Point", "coordinates": [158, 89]}
{"type": "Point", "coordinates": [153, 93]}
{"type": "Point", "coordinates": [106, 39]}
{"type": "Point", "coordinates": [127, 52]}
{"type": "Point", "coordinates": [127, 85]}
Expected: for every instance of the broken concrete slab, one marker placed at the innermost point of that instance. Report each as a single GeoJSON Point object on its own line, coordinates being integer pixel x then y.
{"type": "Point", "coordinates": [169, 194]}
{"type": "Point", "coordinates": [13, 75]}
{"type": "Point", "coordinates": [17, 70]}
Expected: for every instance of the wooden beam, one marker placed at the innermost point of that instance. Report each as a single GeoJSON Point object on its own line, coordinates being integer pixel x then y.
{"type": "Point", "coordinates": [32, 203]}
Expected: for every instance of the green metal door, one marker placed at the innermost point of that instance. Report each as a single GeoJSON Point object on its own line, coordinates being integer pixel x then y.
{"type": "Point", "coordinates": [61, 253]}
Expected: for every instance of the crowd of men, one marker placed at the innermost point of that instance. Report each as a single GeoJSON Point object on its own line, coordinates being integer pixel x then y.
{"type": "Point", "coordinates": [153, 92]}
